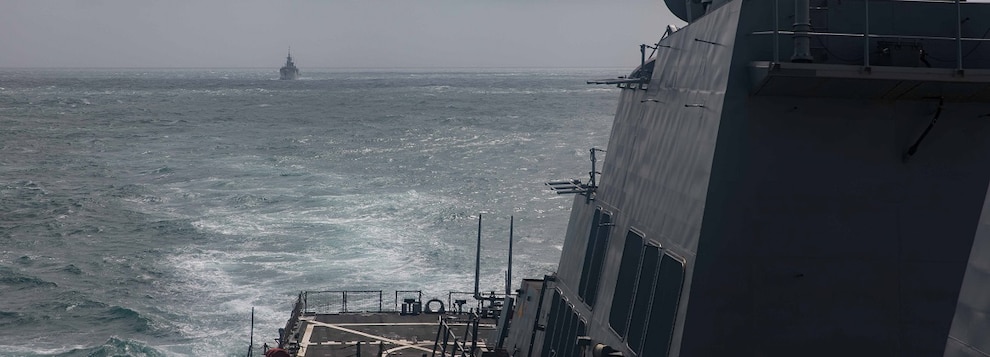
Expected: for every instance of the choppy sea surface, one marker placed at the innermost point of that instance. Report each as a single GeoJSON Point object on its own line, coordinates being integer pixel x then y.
{"type": "Point", "coordinates": [145, 212]}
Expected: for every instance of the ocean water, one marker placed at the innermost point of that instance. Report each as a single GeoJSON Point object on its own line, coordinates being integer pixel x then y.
{"type": "Point", "coordinates": [145, 212]}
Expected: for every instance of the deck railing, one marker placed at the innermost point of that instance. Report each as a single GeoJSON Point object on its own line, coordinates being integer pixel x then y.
{"type": "Point", "coordinates": [344, 301]}
{"type": "Point", "coordinates": [447, 339]}
{"type": "Point", "coordinates": [339, 301]}
{"type": "Point", "coordinates": [297, 310]}
{"type": "Point", "coordinates": [869, 38]}
{"type": "Point", "coordinates": [489, 305]}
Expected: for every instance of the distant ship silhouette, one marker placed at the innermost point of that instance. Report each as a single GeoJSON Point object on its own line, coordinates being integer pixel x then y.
{"type": "Point", "coordinates": [289, 70]}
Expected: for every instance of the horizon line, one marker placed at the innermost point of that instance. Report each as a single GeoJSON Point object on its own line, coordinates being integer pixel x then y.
{"type": "Point", "coordinates": [319, 68]}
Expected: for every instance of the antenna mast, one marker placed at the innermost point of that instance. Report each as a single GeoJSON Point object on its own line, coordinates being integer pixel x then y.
{"type": "Point", "coordinates": [508, 274]}
{"type": "Point", "coordinates": [251, 345]}
{"type": "Point", "coordinates": [477, 262]}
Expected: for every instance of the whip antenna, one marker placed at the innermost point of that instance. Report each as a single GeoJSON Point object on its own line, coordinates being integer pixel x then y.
{"type": "Point", "coordinates": [477, 262]}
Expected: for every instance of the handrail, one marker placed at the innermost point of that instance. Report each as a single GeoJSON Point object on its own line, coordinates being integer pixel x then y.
{"type": "Point", "coordinates": [847, 34]}
{"type": "Point", "coordinates": [419, 294]}
{"type": "Point", "coordinates": [958, 36]}
{"type": "Point", "coordinates": [297, 310]}
{"type": "Point", "coordinates": [776, 31]}
{"type": "Point", "coordinates": [304, 305]}
{"type": "Point", "coordinates": [459, 345]}
{"type": "Point", "coordinates": [866, 35]}
{"type": "Point", "coordinates": [490, 297]}
{"type": "Point", "coordinates": [343, 295]}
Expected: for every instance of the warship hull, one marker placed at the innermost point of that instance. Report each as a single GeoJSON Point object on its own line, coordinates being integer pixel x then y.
{"type": "Point", "coordinates": [289, 71]}
{"type": "Point", "coordinates": [783, 178]}
{"type": "Point", "coordinates": [755, 206]}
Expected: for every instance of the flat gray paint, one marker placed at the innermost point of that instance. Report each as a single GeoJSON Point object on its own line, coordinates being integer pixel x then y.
{"type": "Point", "coordinates": [786, 190]}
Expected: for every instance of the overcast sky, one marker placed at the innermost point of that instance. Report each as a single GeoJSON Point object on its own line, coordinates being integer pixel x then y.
{"type": "Point", "coordinates": [328, 33]}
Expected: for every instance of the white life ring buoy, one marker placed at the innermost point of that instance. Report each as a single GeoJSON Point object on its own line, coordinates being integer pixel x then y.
{"type": "Point", "coordinates": [429, 307]}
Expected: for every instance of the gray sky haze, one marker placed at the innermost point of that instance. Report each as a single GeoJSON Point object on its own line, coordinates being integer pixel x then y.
{"type": "Point", "coordinates": [328, 33]}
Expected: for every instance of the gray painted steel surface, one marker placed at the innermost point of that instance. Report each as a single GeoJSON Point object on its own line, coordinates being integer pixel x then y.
{"type": "Point", "coordinates": [787, 190]}
{"type": "Point", "coordinates": [754, 207]}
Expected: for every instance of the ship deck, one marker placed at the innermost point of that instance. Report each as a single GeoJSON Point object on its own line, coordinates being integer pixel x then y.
{"type": "Point", "coordinates": [383, 334]}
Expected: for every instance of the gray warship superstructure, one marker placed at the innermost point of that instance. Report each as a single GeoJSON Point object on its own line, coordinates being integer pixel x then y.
{"type": "Point", "coordinates": [787, 178]}
{"type": "Point", "coordinates": [289, 70]}
{"type": "Point", "coordinates": [783, 178]}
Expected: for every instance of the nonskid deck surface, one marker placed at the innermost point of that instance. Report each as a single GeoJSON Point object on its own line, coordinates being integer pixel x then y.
{"type": "Point", "coordinates": [380, 334]}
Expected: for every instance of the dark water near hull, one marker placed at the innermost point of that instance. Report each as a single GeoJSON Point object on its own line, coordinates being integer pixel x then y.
{"type": "Point", "coordinates": [145, 212]}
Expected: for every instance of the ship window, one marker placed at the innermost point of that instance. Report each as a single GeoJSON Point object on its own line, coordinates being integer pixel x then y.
{"type": "Point", "coordinates": [589, 253]}
{"type": "Point", "coordinates": [664, 312]}
{"type": "Point", "coordinates": [644, 296]}
{"type": "Point", "coordinates": [625, 282]}
{"type": "Point", "coordinates": [565, 346]}
{"type": "Point", "coordinates": [582, 330]}
{"type": "Point", "coordinates": [553, 323]}
{"type": "Point", "coordinates": [563, 326]}
{"type": "Point", "coordinates": [598, 259]}
{"type": "Point", "coordinates": [576, 329]}
{"type": "Point", "coordinates": [560, 343]}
